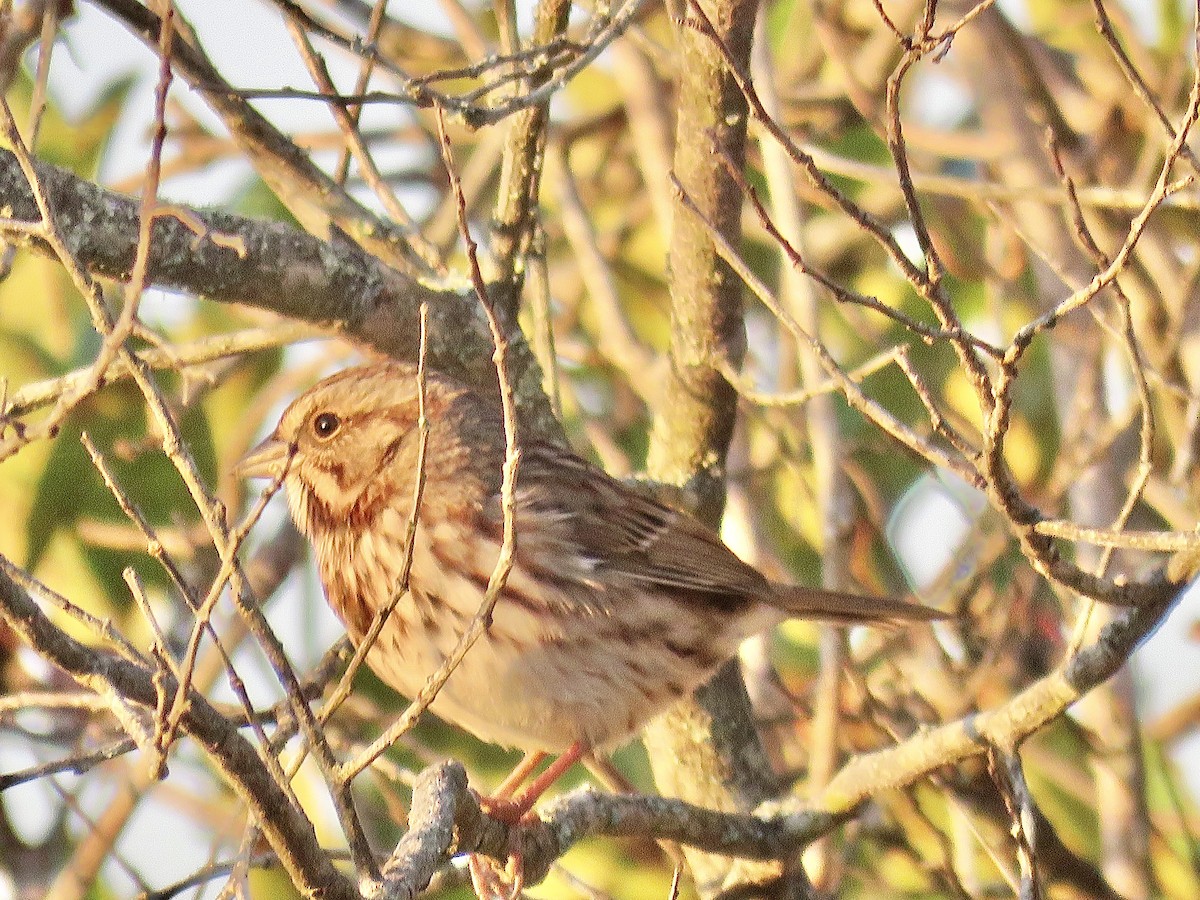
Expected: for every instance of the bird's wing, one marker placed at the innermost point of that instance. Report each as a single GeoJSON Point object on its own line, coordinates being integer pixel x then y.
{"type": "Point", "coordinates": [621, 528]}
{"type": "Point", "coordinates": [605, 526]}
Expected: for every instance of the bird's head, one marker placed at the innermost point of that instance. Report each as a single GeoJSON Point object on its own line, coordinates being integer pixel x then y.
{"type": "Point", "coordinates": [337, 443]}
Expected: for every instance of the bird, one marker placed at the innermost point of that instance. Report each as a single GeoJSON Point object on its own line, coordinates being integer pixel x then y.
{"type": "Point", "coordinates": [617, 604]}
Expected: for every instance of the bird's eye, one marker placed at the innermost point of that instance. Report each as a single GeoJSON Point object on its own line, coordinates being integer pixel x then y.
{"type": "Point", "coordinates": [325, 424]}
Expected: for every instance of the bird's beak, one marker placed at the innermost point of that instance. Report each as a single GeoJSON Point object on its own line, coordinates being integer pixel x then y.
{"type": "Point", "coordinates": [269, 459]}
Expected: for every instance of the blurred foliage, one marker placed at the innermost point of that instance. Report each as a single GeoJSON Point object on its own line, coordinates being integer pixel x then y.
{"type": "Point", "coordinates": [928, 840]}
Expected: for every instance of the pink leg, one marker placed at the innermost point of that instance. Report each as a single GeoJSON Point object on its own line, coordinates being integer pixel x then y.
{"type": "Point", "coordinates": [553, 772]}
{"type": "Point", "coordinates": [503, 806]}
{"type": "Point", "coordinates": [517, 776]}
{"type": "Point", "coordinates": [500, 806]}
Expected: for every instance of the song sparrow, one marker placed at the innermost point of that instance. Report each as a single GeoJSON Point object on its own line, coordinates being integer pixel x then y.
{"type": "Point", "coordinates": [616, 607]}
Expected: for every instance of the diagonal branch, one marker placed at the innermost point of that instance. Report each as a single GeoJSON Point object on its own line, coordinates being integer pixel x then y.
{"type": "Point", "coordinates": [286, 827]}
{"type": "Point", "coordinates": [233, 259]}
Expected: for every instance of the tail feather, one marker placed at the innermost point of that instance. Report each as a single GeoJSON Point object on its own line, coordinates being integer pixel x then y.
{"type": "Point", "coordinates": [849, 609]}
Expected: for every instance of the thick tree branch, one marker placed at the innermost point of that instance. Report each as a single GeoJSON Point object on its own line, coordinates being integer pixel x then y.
{"type": "Point", "coordinates": [271, 265]}
{"type": "Point", "coordinates": [524, 151]}
{"type": "Point", "coordinates": [446, 820]}
{"type": "Point", "coordinates": [707, 750]}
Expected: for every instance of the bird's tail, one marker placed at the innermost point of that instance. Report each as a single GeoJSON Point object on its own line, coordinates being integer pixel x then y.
{"type": "Point", "coordinates": [849, 609]}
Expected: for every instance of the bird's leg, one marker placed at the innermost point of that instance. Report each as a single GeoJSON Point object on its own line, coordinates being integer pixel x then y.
{"type": "Point", "coordinates": [520, 772]}
{"type": "Point", "coordinates": [504, 806]}
{"type": "Point", "coordinates": [608, 775]}
{"type": "Point", "coordinates": [515, 810]}
{"type": "Point", "coordinates": [554, 771]}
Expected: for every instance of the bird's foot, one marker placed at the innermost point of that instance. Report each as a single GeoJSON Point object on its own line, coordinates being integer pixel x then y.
{"type": "Point", "coordinates": [491, 881]}
{"type": "Point", "coordinates": [509, 806]}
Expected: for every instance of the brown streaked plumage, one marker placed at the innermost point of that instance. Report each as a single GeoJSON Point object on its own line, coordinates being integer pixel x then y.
{"type": "Point", "coordinates": [617, 605]}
